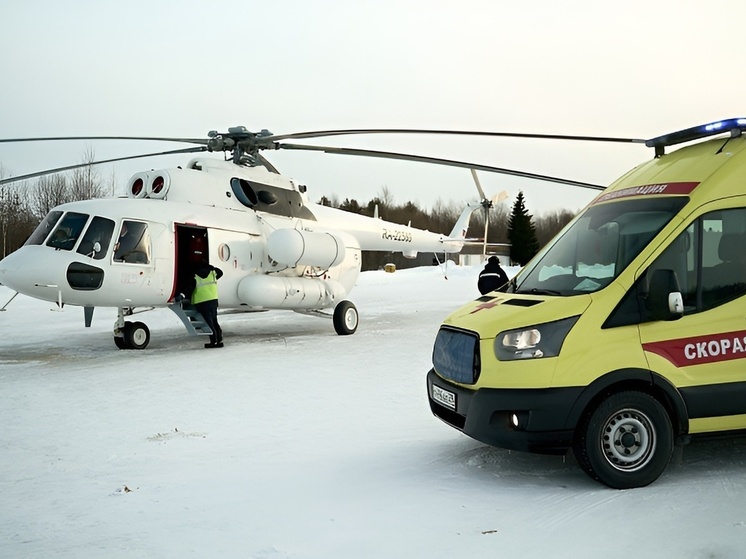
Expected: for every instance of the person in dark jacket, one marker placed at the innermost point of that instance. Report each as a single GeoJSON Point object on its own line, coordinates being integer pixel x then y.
{"type": "Point", "coordinates": [205, 299]}
{"type": "Point", "coordinates": [492, 277]}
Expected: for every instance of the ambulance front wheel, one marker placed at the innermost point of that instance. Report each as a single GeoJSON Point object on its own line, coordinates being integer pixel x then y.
{"type": "Point", "coordinates": [345, 318]}
{"type": "Point", "coordinates": [626, 441]}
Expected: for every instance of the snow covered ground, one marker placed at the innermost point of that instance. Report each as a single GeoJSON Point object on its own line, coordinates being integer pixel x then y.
{"type": "Point", "coordinates": [293, 442]}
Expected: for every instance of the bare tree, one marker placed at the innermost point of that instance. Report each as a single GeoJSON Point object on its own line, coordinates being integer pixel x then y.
{"type": "Point", "coordinates": [48, 191]}
{"type": "Point", "coordinates": [16, 220]}
{"type": "Point", "coordinates": [550, 223]}
{"type": "Point", "coordinates": [5, 213]}
{"type": "Point", "coordinates": [385, 196]}
{"type": "Point", "coordinates": [444, 216]}
{"type": "Point", "coordinates": [85, 182]}
{"type": "Point", "coordinates": [82, 183]}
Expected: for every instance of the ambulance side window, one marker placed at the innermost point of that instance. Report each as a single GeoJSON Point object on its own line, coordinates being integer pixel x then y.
{"type": "Point", "coordinates": [723, 256]}
{"type": "Point", "coordinates": [709, 262]}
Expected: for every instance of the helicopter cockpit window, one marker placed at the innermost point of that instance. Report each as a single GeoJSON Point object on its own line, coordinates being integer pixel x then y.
{"type": "Point", "coordinates": [97, 238]}
{"type": "Point", "coordinates": [41, 232]}
{"type": "Point", "coordinates": [68, 231]}
{"type": "Point", "coordinates": [133, 246]}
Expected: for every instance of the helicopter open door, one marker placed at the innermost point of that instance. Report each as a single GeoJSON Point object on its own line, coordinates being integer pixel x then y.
{"type": "Point", "coordinates": [191, 249]}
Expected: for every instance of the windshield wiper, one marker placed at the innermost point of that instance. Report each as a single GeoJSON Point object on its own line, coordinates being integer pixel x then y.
{"type": "Point", "coordinates": [535, 291]}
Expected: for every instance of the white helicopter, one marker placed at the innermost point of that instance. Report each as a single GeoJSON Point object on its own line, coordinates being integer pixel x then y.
{"type": "Point", "coordinates": [277, 249]}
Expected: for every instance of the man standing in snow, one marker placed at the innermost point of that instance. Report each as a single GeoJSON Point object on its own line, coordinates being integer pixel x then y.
{"type": "Point", "coordinates": [492, 277]}
{"type": "Point", "coordinates": [205, 299]}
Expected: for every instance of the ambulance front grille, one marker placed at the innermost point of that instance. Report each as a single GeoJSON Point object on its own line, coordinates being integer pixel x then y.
{"type": "Point", "coordinates": [456, 355]}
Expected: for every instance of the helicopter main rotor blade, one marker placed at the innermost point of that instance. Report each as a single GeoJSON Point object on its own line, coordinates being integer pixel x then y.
{"type": "Point", "coordinates": [327, 133]}
{"type": "Point", "coordinates": [79, 165]}
{"type": "Point", "coordinates": [200, 141]}
{"type": "Point", "coordinates": [482, 196]}
{"type": "Point", "coordinates": [437, 161]}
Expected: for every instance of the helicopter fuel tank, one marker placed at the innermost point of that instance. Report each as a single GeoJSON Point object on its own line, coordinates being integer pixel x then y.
{"type": "Point", "coordinates": [293, 247]}
{"type": "Point", "coordinates": [281, 292]}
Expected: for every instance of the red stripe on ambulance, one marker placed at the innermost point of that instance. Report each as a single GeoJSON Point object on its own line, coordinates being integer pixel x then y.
{"type": "Point", "coordinates": [701, 349]}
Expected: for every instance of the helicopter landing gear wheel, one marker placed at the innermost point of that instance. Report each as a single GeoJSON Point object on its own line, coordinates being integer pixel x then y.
{"type": "Point", "coordinates": [345, 318]}
{"type": "Point", "coordinates": [137, 335]}
{"type": "Point", "coordinates": [120, 342]}
{"type": "Point", "coordinates": [120, 336]}
{"type": "Point", "coordinates": [133, 335]}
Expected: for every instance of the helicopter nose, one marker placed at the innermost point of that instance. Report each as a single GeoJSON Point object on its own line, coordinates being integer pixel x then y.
{"type": "Point", "coordinates": [26, 271]}
{"type": "Point", "coordinates": [9, 270]}
{"type": "Point", "coordinates": [7, 265]}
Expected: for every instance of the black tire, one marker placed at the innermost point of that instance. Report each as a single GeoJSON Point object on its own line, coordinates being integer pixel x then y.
{"type": "Point", "coordinates": [137, 335]}
{"type": "Point", "coordinates": [626, 441]}
{"type": "Point", "coordinates": [121, 342]}
{"type": "Point", "coordinates": [345, 318]}
{"type": "Point", "coordinates": [120, 337]}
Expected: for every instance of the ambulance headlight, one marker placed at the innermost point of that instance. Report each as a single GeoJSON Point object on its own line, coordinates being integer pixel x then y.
{"type": "Point", "coordinates": [532, 342]}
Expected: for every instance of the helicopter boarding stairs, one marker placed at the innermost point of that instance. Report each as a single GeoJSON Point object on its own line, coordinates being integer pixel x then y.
{"type": "Point", "coordinates": [192, 319]}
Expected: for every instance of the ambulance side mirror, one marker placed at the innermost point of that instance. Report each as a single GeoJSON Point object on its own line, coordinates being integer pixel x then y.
{"type": "Point", "coordinates": [676, 304]}
{"type": "Point", "coordinates": [664, 300]}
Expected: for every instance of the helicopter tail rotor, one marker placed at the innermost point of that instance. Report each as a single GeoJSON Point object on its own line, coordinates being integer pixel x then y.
{"type": "Point", "coordinates": [487, 205]}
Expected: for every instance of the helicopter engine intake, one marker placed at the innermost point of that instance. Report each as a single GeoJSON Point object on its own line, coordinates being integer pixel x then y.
{"type": "Point", "coordinates": [293, 247]}
{"type": "Point", "coordinates": [280, 292]}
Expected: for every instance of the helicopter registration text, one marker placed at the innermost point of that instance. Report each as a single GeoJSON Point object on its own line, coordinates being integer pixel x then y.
{"type": "Point", "coordinates": [396, 235]}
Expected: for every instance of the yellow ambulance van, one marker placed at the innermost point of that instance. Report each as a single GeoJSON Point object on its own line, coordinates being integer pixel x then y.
{"type": "Point", "coordinates": [626, 334]}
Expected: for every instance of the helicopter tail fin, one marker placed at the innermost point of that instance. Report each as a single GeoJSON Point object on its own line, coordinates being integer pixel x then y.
{"type": "Point", "coordinates": [456, 239]}
{"type": "Point", "coordinates": [462, 224]}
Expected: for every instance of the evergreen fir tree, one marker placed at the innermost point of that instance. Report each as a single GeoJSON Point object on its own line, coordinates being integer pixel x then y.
{"type": "Point", "coordinates": [521, 233]}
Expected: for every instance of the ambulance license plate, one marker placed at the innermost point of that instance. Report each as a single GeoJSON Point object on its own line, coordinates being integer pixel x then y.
{"type": "Point", "coordinates": [444, 397]}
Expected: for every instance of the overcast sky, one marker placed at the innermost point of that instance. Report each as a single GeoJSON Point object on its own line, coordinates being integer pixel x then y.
{"type": "Point", "coordinates": [182, 68]}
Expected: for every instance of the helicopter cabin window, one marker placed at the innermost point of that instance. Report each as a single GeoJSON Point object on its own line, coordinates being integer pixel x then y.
{"type": "Point", "coordinates": [68, 231]}
{"type": "Point", "coordinates": [97, 238]}
{"type": "Point", "coordinates": [133, 244]}
{"type": "Point", "coordinates": [42, 231]}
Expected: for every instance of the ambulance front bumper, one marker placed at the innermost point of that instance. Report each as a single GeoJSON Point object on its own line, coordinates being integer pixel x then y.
{"type": "Point", "coordinates": [529, 420]}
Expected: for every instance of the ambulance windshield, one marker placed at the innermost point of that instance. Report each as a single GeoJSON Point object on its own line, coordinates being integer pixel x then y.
{"type": "Point", "coordinates": [597, 246]}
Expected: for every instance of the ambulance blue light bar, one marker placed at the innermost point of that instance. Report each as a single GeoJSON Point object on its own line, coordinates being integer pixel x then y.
{"type": "Point", "coordinates": [733, 125]}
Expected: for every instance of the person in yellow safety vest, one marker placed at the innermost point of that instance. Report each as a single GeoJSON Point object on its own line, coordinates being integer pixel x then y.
{"type": "Point", "coordinates": [205, 299]}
